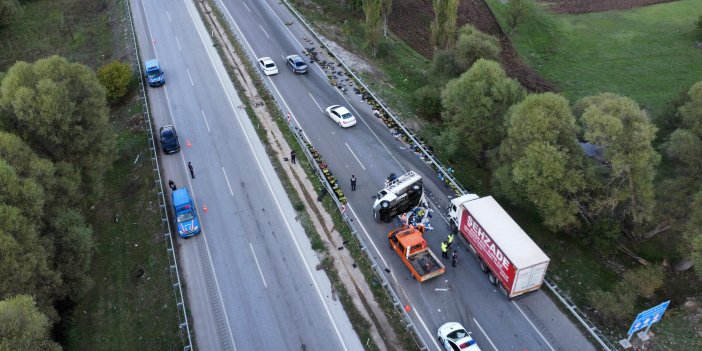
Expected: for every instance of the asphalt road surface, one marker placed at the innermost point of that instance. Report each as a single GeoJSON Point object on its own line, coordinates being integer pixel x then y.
{"type": "Point", "coordinates": [368, 150]}
{"type": "Point", "coordinates": [250, 277]}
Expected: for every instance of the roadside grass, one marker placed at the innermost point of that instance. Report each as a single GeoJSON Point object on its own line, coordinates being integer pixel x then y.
{"type": "Point", "coordinates": [647, 53]}
{"type": "Point", "coordinates": [79, 30]}
{"type": "Point", "coordinates": [121, 311]}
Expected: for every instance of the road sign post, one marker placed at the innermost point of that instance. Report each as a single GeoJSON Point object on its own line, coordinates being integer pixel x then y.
{"type": "Point", "coordinates": [644, 320]}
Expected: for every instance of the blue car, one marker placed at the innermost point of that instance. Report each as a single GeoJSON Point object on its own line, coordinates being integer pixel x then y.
{"type": "Point", "coordinates": [187, 222]}
{"type": "Point", "coordinates": [154, 74]}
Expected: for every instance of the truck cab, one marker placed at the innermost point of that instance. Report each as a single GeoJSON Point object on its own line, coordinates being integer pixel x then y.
{"type": "Point", "coordinates": [398, 196]}
{"type": "Point", "coordinates": [455, 209]}
{"type": "Point", "coordinates": [187, 222]}
{"type": "Point", "coordinates": [154, 74]}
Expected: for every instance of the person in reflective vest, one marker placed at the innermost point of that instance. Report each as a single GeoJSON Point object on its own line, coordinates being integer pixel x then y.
{"type": "Point", "coordinates": [444, 250]}
{"type": "Point", "coordinates": [449, 239]}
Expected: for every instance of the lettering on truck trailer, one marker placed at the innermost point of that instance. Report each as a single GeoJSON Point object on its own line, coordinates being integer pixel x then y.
{"type": "Point", "coordinates": [488, 249]}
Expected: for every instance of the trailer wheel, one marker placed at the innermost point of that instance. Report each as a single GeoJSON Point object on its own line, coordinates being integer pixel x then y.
{"type": "Point", "coordinates": [483, 266]}
{"type": "Point", "coordinates": [492, 278]}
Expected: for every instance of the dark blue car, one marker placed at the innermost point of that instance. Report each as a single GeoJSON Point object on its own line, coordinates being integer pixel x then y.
{"type": "Point", "coordinates": [169, 139]}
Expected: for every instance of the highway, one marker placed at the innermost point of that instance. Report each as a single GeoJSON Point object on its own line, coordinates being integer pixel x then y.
{"type": "Point", "coordinates": [368, 150]}
{"type": "Point", "coordinates": [250, 278]}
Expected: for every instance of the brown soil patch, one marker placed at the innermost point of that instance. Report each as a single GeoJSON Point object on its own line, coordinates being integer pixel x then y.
{"type": "Point", "coordinates": [585, 6]}
{"type": "Point", "coordinates": [410, 20]}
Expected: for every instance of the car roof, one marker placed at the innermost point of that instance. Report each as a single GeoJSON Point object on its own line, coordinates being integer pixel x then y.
{"type": "Point", "coordinates": [266, 59]}
{"type": "Point", "coordinates": [151, 63]}
{"type": "Point", "coordinates": [340, 109]}
{"type": "Point", "coordinates": [294, 58]}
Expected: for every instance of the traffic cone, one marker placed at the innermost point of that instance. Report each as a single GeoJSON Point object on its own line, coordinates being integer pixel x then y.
{"type": "Point", "coordinates": [408, 308]}
{"type": "Point", "coordinates": [204, 208]}
{"type": "Point", "coordinates": [187, 143]}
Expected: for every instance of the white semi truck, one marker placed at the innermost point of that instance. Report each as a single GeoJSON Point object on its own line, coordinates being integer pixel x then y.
{"type": "Point", "coordinates": [505, 252]}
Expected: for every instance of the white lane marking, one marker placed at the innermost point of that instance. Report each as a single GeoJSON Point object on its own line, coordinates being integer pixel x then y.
{"type": "Point", "coordinates": [258, 265]}
{"type": "Point", "coordinates": [189, 76]}
{"type": "Point", "coordinates": [169, 17]}
{"type": "Point", "coordinates": [440, 289]}
{"type": "Point", "coordinates": [265, 177]}
{"type": "Point", "coordinates": [354, 156]}
{"type": "Point", "coordinates": [533, 326]}
{"type": "Point", "coordinates": [315, 102]}
{"type": "Point", "coordinates": [368, 235]}
{"type": "Point", "coordinates": [178, 42]}
{"type": "Point", "coordinates": [424, 325]}
{"type": "Point", "coordinates": [227, 179]}
{"type": "Point", "coordinates": [202, 227]}
{"type": "Point", "coordinates": [205, 118]}
{"type": "Point", "coordinates": [484, 333]}
{"type": "Point", "coordinates": [264, 31]}
{"type": "Point", "coordinates": [283, 23]}
{"type": "Point", "coordinates": [246, 6]}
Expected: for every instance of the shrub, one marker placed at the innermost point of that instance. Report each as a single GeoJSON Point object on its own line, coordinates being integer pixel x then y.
{"type": "Point", "coordinates": [427, 103]}
{"type": "Point", "coordinates": [116, 78]}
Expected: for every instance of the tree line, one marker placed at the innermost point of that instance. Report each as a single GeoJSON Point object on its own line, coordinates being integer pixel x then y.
{"type": "Point", "coordinates": [56, 143]}
{"type": "Point", "coordinates": [601, 169]}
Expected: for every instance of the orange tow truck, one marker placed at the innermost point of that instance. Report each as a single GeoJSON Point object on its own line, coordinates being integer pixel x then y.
{"type": "Point", "coordinates": [408, 243]}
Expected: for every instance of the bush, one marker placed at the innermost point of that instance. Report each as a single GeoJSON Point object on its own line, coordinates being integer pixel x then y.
{"type": "Point", "coordinates": [427, 103]}
{"type": "Point", "coordinates": [116, 78]}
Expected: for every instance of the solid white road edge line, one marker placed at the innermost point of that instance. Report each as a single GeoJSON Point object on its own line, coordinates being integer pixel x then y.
{"type": "Point", "coordinates": [258, 265]}
{"type": "Point", "coordinates": [202, 227]}
{"type": "Point", "coordinates": [354, 156]}
{"type": "Point", "coordinates": [533, 326]}
{"type": "Point", "coordinates": [484, 333]}
{"type": "Point", "coordinates": [227, 179]}
{"type": "Point", "coordinates": [270, 187]}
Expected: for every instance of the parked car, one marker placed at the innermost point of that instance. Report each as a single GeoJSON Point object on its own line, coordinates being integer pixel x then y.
{"type": "Point", "coordinates": [341, 115]}
{"type": "Point", "coordinates": [169, 139]}
{"type": "Point", "coordinates": [267, 66]}
{"type": "Point", "coordinates": [154, 74]}
{"type": "Point", "coordinates": [296, 64]}
{"type": "Point", "coordinates": [453, 337]}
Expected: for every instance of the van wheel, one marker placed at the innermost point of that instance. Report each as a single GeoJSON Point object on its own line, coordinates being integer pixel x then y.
{"type": "Point", "coordinates": [492, 278]}
{"type": "Point", "coordinates": [416, 187]}
{"type": "Point", "coordinates": [483, 266]}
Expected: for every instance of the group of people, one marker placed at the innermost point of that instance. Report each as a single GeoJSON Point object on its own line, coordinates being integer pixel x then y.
{"type": "Point", "coordinates": [171, 183]}
{"type": "Point", "coordinates": [445, 246]}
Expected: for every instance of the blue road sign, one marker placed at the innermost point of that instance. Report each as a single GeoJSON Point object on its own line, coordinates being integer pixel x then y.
{"type": "Point", "coordinates": [648, 317]}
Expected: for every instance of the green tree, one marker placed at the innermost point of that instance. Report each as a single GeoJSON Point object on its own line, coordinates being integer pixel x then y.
{"type": "Point", "coordinates": [73, 241]}
{"type": "Point", "coordinates": [443, 28]}
{"type": "Point", "coordinates": [474, 108]}
{"type": "Point", "coordinates": [115, 77]}
{"type": "Point", "coordinates": [693, 233]}
{"type": "Point", "coordinates": [23, 327]}
{"type": "Point", "coordinates": [59, 109]}
{"type": "Point", "coordinates": [540, 162]}
{"type": "Point", "coordinates": [644, 280]}
{"type": "Point", "coordinates": [517, 12]}
{"type": "Point", "coordinates": [10, 10]}
{"type": "Point", "coordinates": [426, 102]}
{"type": "Point", "coordinates": [386, 10]}
{"type": "Point", "coordinates": [444, 66]}
{"type": "Point", "coordinates": [613, 306]}
{"type": "Point", "coordinates": [623, 131]}
{"type": "Point", "coordinates": [472, 45]}
{"type": "Point", "coordinates": [372, 10]}
{"type": "Point", "coordinates": [685, 143]}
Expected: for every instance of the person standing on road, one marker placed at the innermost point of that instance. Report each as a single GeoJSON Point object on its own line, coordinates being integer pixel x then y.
{"type": "Point", "coordinates": [171, 184]}
{"type": "Point", "coordinates": [444, 250]}
{"type": "Point", "coordinates": [292, 156]}
{"type": "Point", "coordinates": [192, 172]}
{"type": "Point", "coordinates": [353, 182]}
{"type": "Point", "coordinates": [449, 239]}
{"type": "Point", "coordinates": [454, 258]}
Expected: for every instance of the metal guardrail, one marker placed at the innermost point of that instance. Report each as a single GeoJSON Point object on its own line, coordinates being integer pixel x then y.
{"type": "Point", "coordinates": [170, 248]}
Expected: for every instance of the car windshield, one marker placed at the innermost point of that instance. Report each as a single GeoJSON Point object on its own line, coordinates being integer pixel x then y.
{"type": "Point", "coordinates": [457, 334]}
{"type": "Point", "coordinates": [347, 115]}
{"type": "Point", "coordinates": [187, 216]}
{"type": "Point", "coordinates": [153, 72]}
{"type": "Point", "coordinates": [168, 135]}
{"type": "Point", "coordinates": [299, 63]}
{"type": "Point", "coordinates": [270, 65]}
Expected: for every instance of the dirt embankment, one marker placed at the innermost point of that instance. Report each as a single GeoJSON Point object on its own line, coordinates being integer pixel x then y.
{"type": "Point", "coordinates": [585, 6]}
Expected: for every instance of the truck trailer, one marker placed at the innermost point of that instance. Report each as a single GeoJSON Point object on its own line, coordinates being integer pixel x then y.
{"type": "Point", "coordinates": [505, 252]}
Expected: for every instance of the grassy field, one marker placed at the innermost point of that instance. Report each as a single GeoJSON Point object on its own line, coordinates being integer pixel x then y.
{"type": "Point", "coordinates": [647, 54]}
{"type": "Point", "coordinates": [121, 311]}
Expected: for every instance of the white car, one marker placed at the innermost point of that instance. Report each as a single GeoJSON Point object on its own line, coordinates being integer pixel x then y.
{"type": "Point", "coordinates": [267, 66]}
{"type": "Point", "coordinates": [341, 116]}
{"type": "Point", "coordinates": [454, 337]}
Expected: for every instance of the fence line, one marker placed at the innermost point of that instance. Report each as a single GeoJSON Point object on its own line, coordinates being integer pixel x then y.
{"type": "Point", "coordinates": [170, 249]}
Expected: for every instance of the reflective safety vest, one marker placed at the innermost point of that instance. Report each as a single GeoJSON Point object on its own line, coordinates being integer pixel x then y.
{"type": "Point", "coordinates": [444, 247]}
{"type": "Point", "coordinates": [450, 238]}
